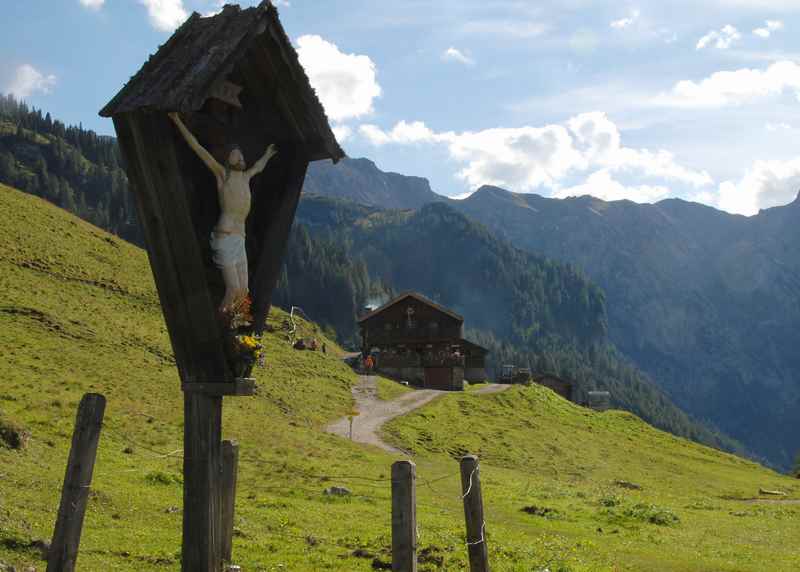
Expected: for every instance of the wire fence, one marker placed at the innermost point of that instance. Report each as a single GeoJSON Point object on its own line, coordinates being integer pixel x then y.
{"type": "Point", "coordinates": [304, 481]}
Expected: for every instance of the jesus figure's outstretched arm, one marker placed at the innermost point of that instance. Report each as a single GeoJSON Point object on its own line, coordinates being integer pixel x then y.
{"type": "Point", "coordinates": [259, 165]}
{"type": "Point", "coordinates": [208, 159]}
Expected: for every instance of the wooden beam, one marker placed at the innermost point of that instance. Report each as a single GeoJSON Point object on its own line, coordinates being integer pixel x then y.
{"type": "Point", "coordinates": [230, 473]}
{"type": "Point", "coordinates": [173, 243]}
{"type": "Point", "coordinates": [404, 517]}
{"type": "Point", "coordinates": [473, 514]}
{"type": "Point", "coordinates": [202, 456]}
{"type": "Point", "coordinates": [155, 239]}
{"type": "Point", "coordinates": [77, 479]}
{"type": "Point", "coordinates": [240, 387]}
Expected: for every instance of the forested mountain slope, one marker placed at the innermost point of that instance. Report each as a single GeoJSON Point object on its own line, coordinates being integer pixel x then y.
{"type": "Point", "coordinates": [525, 308]}
{"type": "Point", "coordinates": [706, 302]}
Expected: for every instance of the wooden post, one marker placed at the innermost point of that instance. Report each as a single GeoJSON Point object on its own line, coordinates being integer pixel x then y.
{"type": "Point", "coordinates": [473, 514]}
{"type": "Point", "coordinates": [78, 477]}
{"type": "Point", "coordinates": [230, 472]}
{"type": "Point", "coordinates": [404, 516]}
{"type": "Point", "coordinates": [202, 434]}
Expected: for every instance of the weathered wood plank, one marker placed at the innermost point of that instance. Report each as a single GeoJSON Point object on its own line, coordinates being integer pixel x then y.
{"type": "Point", "coordinates": [404, 516]}
{"type": "Point", "coordinates": [473, 514]}
{"type": "Point", "coordinates": [155, 239]}
{"type": "Point", "coordinates": [195, 325]}
{"type": "Point", "coordinates": [241, 387]}
{"type": "Point", "coordinates": [77, 479]}
{"type": "Point", "coordinates": [230, 474]}
{"type": "Point", "coordinates": [201, 483]}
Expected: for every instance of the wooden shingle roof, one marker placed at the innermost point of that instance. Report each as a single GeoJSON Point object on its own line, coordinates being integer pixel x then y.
{"type": "Point", "coordinates": [415, 296]}
{"type": "Point", "coordinates": [199, 56]}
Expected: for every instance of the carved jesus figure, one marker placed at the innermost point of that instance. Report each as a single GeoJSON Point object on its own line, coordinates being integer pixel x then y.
{"type": "Point", "coordinates": [228, 236]}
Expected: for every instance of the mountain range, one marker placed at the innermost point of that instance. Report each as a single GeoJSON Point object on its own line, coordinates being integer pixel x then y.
{"type": "Point", "coordinates": [703, 301]}
{"type": "Point", "coordinates": [706, 302]}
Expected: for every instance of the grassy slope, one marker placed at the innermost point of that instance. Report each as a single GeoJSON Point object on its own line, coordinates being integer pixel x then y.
{"type": "Point", "coordinates": [78, 313]}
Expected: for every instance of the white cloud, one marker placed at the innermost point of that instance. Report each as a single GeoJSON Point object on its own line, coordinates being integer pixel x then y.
{"type": "Point", "coordinates": [769, 27]}
{"type": "Point", "coordinates": [452, 54]}
{"type": "Point", "coordinates": [462, 196]}
{"type": "Point", "coordinates": [342, 132]}
{"type": "Point", "coordinates": [92, 4]}
{"type": "Point", "coordinates": [345, 83]}
{"type": "Point", "coordinates": [766, 184]}
{"type": "Point", "coordinates": [722, 39]}
{"type": "Point", "coordinates": [28, 80]}
{"type": "Point", "coordinates": [282, 3]}
{"type": "Point", "coordinates": [735, 87]}
{"type": "Point", "coordinates": [602, 185]}
{"type": "Point", "coordinates": [165, 15]}
{"type": "Point", "coordinates": [623, 23]}
{"type": "Point", "coordinates": [525, 158]}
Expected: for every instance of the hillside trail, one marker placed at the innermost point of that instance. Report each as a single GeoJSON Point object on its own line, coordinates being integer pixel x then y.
{"type": "Point", "coordinates": [374, 412]}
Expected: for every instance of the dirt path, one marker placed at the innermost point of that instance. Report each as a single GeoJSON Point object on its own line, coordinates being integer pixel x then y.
{"type": "Point", "coordinates": [374, 412]}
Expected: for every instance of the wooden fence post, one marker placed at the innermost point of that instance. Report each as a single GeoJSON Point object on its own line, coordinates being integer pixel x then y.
{"type": "Point", "coordinates": [404, 516]}
{"type": "Point", "coordinates": [230, 471]}
{"type": "Point", "coordinates": [473, 514]}
{"type": "Point", "coordinates": [78, 477]}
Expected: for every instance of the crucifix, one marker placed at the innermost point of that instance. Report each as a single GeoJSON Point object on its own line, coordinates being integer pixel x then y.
{"type": "Point", "coordinates": [233, 192]}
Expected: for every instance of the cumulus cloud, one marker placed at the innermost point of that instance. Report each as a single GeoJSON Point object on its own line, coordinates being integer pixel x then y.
{"type": "Point", "coordinates": [346, 84]}
{"type": "Point", "coordinates": [92, 4]}
{"type": "Point", "coordinates": [526, 158]}
{"type": "Point", "coordinates": [165, 15]}
{"type": "Point", "coordinates": [28, 81]}
{"type": "Point", "coordinates": [623, 23]}
{"type": "Point", "coordinates": [720, 39]}
{"type": "Point", "coordinates": [735, 87]}
{"type": "Point", "coordinates": [602, 185]}
{"type": "Point", "coordinates": [769, 27]}
{"type": "Point", "coordinates": [452, 54]}
{"type": "Point", "coordinates": [766, 184]}
{"type": "Point", "coordinates": [342, 132]}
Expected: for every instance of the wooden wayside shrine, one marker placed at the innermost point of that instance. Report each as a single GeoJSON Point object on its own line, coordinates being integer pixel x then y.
{"type": "Point", "coordinates": [235, 79]}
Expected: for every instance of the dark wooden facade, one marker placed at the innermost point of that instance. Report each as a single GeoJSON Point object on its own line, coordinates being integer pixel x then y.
{"type": "Point", "coordinates": [417, 339]}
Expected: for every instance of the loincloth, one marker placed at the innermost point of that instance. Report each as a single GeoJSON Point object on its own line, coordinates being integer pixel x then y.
{"type": "Point", "coordinates": [227, 249]}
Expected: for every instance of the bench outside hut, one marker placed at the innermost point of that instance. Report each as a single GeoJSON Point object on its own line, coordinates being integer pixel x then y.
{"type": "Point", "coordinates": [235, 79]}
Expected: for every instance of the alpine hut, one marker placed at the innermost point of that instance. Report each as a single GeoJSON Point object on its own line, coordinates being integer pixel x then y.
{"type": "Point", "coordinates": [418, 340]}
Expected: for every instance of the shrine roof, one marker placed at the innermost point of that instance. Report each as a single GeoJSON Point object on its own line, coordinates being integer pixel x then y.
{"type": "Point", "coordinates": [203, 51]}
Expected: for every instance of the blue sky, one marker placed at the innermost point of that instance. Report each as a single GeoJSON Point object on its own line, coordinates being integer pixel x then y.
{"type": "Point", "coordinates": [640, 100]}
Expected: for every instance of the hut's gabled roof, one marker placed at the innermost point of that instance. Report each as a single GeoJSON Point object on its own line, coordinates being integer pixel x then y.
{"type": "Point", "coordinates": [416, 296]}
{"type": "Point", "coordinates": [204, 50]}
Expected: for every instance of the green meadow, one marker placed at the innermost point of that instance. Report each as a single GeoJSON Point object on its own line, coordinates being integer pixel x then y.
{"type": "Point", "coordinates": [565, 488]}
